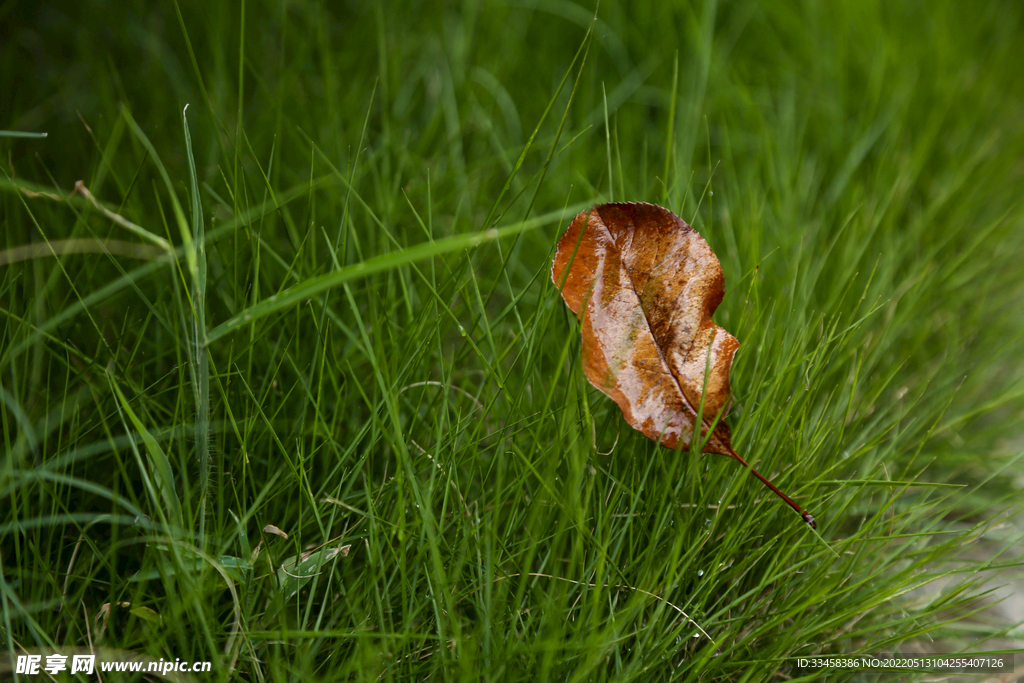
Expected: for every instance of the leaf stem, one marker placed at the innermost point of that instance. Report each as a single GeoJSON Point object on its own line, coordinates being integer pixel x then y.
{"type": "Point", "coordinates": [806, 516]}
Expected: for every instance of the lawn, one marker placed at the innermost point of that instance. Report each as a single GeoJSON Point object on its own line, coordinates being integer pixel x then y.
{"type": "Point", "coordinates": [285, 385]}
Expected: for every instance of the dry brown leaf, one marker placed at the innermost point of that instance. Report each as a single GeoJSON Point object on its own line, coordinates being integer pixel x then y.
{"type": "Point", "coordinates": [271, 529]}
{"type": "Point", "coordinates": [645, 285]}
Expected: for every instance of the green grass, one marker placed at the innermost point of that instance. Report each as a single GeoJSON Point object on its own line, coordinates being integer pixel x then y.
{"type": "Point", "coordinates": [285, 310]}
